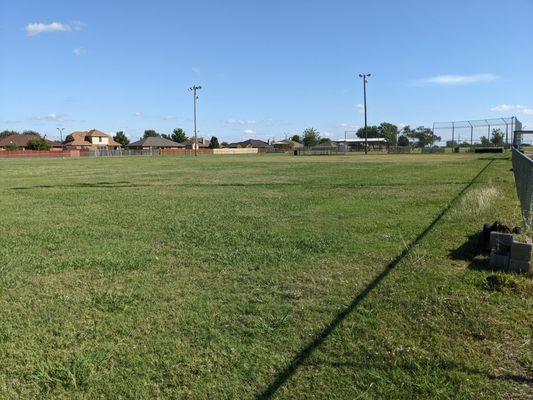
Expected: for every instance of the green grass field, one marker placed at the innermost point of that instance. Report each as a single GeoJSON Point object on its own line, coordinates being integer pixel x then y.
{"type": "Point", "coordinates": [234, 277]}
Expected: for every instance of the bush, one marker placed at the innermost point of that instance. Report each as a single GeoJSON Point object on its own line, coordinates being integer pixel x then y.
{"type": "Point", "coordinates": [38, 144]}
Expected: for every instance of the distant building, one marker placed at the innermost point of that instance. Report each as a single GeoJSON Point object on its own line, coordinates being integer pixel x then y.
{"type": "Point", "coordinates": [90, 140]}
{"type": "Point", "coordinates": [155, 142]}
{"type": "Point", "coordinates": [250, 143]}
{"type": "Point", "coordinates": [201, 143]}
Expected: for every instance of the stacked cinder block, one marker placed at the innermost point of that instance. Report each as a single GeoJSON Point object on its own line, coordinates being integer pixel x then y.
{"type": "Point", "coordinates": [510, 254]}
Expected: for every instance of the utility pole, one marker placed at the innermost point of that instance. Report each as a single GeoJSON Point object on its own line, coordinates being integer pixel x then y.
{"type": "Point", "coordinates": [61, 133]}
{"type": "Point", "coordinates": [365, 81]}
{"type": "Point", "coordinates": [194, 89]}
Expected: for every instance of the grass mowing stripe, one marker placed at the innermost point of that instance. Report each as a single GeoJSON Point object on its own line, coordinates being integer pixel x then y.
{"type": "Point", "coordinates": [306, 352]}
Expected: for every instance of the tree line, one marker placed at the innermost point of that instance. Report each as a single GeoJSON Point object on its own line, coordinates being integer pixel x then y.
{"type": "Point", "coordinates": [178, 135]}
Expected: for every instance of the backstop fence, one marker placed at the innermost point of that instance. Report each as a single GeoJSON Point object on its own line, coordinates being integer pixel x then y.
{"type": "Point", "coordinates": [523, 173]}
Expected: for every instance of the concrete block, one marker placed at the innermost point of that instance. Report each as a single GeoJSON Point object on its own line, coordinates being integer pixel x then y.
{"type": "Point", "coordinates": [519, 266]}
{"type": "Point", "coordinates": [521, 251]}
{"type": "Point", "coordinates": [500, 241]}
{"type": "Point", "coordinates": [498, 260]}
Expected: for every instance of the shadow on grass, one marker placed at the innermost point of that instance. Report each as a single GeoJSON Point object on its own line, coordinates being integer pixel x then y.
{"type": "Point", "coordinates": [321, 337]}
{"type": "Point", "coordinates": [99, 185]}
{"type": "Point", "coordinates": [474, 252]}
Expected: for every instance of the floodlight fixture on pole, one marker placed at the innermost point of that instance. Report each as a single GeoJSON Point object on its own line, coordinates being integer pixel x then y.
{"type": "Point", "coordinates": [61, 133]}
{"type": "Point", "coordinates": [194, 89]}
{"type": "Point", "coordinates": [365, 81]}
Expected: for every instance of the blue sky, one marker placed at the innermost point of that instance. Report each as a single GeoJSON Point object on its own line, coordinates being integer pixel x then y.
{"type": "Point", "coordinates": [268, 68]}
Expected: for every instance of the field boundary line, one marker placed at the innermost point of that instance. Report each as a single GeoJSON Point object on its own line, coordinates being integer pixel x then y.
{"type": "Point", "coordinates": [283, 376]}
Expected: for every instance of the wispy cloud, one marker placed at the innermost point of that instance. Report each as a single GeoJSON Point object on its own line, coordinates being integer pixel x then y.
{"type": "Point", "coordinates": [360, 109]}
{"type": "Point", "coordinates": [345, 125]}
{"type": "Point", "coordinates": [36, 28]}
{"type": "Point", "coordinates": [77, 51]}
{"type": "Point", "coordinates": [51, 117]}
{"type": "Point", "coordinates": [512, 107]}
{"type": "Point", "coordinates": [457, 80]}
{"type": "Point", "coordinates": [169, 117]}
{"type": "Point", "coordinates": [248, 132]}
{"type": "Point", "coordinates": [233, 121]}
{"type": "Point", "coordinates": [195, 70]}
{"type": "Point", "coordinates": [138, 114]}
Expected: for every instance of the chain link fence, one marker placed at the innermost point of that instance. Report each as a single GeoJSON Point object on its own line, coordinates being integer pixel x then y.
{"type": "Point", "coordinates": [523, 173]}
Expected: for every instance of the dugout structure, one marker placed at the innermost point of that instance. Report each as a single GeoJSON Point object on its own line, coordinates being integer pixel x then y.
{"type": "Point", "coordinates": [470, 131]}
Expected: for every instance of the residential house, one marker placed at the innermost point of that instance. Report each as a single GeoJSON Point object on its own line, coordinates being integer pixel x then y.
{"type": "Point", "coordinates": [251, 143]}
{"type": "Point", "coordinates": [22, 140]}
{"type": "Point", "coordinates": [154, 142]}
{"type": "Point", "coordinates": [90, 140]}
{"type": "Point", "coordinates": [200, 143]}
{"type": "Point", "coordinates": [288, 145]}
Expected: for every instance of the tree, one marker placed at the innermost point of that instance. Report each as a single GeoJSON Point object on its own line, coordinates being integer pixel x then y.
{"type": "Point", "coordinates": [213, 143]}
{"type": "Point", "coordinates": [11, 146]}
{"type": "Point", "coordinates": [310, 137]}
{"type": "Point", "coordinates": [452, 143]}
{"type": "Point", "coordinates": [424, 136]}
{"type": "Point", "coordinates": [150, 133]}
{"type": "Point", "coordinates": [485, 141]}
{"type": "Point", "coordinates": [296, 138]}
{"type": "Point", "coordinates": [38, 144]}
{"type": "Point", "coordinates": [33, 133]}
{"type": "Point", "coordinates": [372, 132]}
{"type": "Point", "coordinates": [403, 140]}
{"type": "Point", "coordinates": [224, 144]}
{"type": "Point", "coordinates": [324, 140]}
{"type": "Point", "coordinates": [389, 132]}
{"type": "Point", "coordinates": [178, 135]}
{"type": "Point", "coordinates": [8, 133]}
{"type": "Point", "coordinates": [497, 137]}
{"type": "Point", "coordinates": [121, 138]}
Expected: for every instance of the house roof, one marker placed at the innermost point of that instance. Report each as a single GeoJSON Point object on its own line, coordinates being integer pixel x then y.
{"type": "Point", "coordinates": [79, 138]}
{"type": "Point", "coordinates": [155, 141]}
{"type": "Point", "coordinates": [19, 140]}
{"type": "Point", "coordinates": [251, 143]}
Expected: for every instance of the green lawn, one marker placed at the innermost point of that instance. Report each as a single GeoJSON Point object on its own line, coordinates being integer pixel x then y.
{"type": "Point", "coordinates": [233, 277]}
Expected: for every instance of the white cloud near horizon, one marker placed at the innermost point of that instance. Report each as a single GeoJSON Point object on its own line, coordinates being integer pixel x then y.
{"type": "Point", "coordinates": [512, 107]}
{"type": "Point", "coordinates": [248, 132]}
{"type": "Point", "coordinates": [50, 117]}
{"type": "Point", "coordinates": [36, 28]}
{"type": "Point", "coordinates": [457, 80]}
{"type": "Point", "coordinates": [232, 121]}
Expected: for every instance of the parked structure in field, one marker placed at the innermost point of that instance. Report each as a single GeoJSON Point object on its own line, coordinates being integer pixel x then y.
{"type": "Point", "coordinates": [288, 145]}
{"type": "Point", "coordinates": [251, 143]}
{"type": "Point", "coordinates": [155, 142]}
{"type": "Point", "coordinates": [21, 141]}
{"type": "Point", "coordinates": [90, 140]}
{"type": "Point", "coordinates": [359, 143]}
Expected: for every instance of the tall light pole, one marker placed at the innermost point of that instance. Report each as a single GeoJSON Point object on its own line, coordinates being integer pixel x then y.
{"type": "Point", "coordinates": [194, 89]}
{"type": "Point", "coordinates": [365, 81]}
{"type": "Point", "coordinates": [61, 133]}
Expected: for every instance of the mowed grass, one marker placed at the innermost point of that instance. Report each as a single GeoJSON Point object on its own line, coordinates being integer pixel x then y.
{"type": "Point", "coordinates": [223, 277]}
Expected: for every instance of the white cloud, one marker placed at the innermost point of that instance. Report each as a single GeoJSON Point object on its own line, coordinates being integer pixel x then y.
{"type": "Point", "coordinates": [513, 107]}
{"type": "Point", "coordinates": [38, 27]}
{"type": "Point", "coordinates": [50, 117]}
{"type": "Point", "coordinates": [249, 132]}
{"type": "Point", "coordinates": [360, 109]}
{"type": "Point", "coordinates": [169, 117]}
{"type": "Point", "coordinates": [138, 114]}
{"type": "Point", "coordinates": [195, 70]}
{"type": "Point", "coordinates": [457, 80]}
{"type": "Point", "coordinates": [233, 121]}
{"type": "Point", "coordinates": [346, 125]}
{"type": "Point", "coordinates": [77, 51]}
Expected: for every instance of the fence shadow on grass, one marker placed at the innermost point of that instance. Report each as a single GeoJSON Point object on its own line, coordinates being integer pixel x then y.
{"type": "Point", "coordinates": [98, 185]}
{"type": "Point", "coordinates": [321, 337]}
